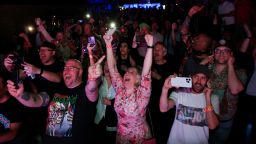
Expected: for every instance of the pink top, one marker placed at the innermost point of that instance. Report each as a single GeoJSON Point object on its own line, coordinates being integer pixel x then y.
{"type": "Point", "coordinates": [132, 127]}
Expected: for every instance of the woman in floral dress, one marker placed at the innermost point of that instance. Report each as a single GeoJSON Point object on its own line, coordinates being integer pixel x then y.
{"type": "Point", "coordinates": [132, 96]}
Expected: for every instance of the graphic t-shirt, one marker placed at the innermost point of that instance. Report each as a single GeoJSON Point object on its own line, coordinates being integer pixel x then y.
{"type": "Point", "coordinates": [70, 117]}
{"type": "Point", "coordinates": [61, 111]}
{"type": "Point", "coordinates": [11, 111]}
{"type": "Point", "coordinates": [190, 124]}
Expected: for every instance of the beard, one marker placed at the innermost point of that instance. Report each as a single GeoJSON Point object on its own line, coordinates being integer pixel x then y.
{"type": "Point", "coordinates": [198, 88]}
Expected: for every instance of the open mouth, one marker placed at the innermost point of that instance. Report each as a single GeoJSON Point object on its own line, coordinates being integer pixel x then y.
{"type": "Point", "coordinates": [126, 79]}
{"type": "Point", "coordinates": [67, 77]}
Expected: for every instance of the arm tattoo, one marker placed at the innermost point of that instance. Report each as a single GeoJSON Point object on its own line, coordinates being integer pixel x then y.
{"type": "Point", "coordinates": [25, 96]}
{"type": "Point", "coordinates": [92, 89]}
{"type": "Point", "coordinates": [45, 97]}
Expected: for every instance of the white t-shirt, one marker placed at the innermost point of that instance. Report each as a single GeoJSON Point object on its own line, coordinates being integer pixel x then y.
{"type": "Point", "coordinates": [190, 125]}
{"type": "Point", "coordinates": [225, 8]}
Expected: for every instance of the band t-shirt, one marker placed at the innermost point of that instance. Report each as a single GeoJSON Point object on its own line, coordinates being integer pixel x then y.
{"type": "Point", "coordinates": [70, 117]}
{"type": "Point", "coordinates": [11, 111]}
{"type": "Point", "coordinates": [190, 124]}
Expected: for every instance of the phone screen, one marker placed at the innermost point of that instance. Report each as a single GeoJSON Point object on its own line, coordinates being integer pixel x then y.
{"type": "Point", "coordinates": [91, 40]}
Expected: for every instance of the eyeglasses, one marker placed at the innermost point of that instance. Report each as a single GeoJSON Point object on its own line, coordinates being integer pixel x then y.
{"type": "Point", "coordinates": [224, 51]}
{"type": "Point", "coordinates": [71, 68]}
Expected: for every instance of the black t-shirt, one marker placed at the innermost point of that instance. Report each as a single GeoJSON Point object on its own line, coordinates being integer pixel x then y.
{"type": "Point", "coordinates": [71, 117]}
{"type": "Point", "coordinates": [11, 111]}
{"type": "Point", "coordinates": [38, 121]}
{"type": "Point", "coordinates": [164, 71]}
{"type": "Point", "coordinates": [121, 63]}
{"type": "Point", "coordinates": [46, 85]}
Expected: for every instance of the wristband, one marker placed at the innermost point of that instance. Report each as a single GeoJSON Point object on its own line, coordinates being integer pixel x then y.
{"type": "Point", "coordinates": [208, 108]}
{"type": "Point", "coordinates": [149, 46]}
{"type": "Point", "coordinates": [91, 79]}
{"type": "Point", "coordinates": [109, 46]}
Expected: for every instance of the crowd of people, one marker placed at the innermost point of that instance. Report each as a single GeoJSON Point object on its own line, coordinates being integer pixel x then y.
{"type": "Point", "coordinates": [86, 86]}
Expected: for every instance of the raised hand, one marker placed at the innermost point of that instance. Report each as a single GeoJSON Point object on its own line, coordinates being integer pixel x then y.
{"type": "Point", "coordinates": [231, 61]}
{"type": "Point", "coordinates": [95, 70]}
{"type": "Point", "coordinates": [38, 21]}
{"type": "Point", "coordinates": [108, 39]}
{"type": "Point", "coordinates": [208, 93]}
{"type": "Point", "coordinates": [13, 90]}
{"type": "Point", "coordinates": [207, 60]}
{"type": "Point", "coordinates": [40, 28]}
{"type": "Point", "coordinates": [30, 69]}
{"type": "Point", "coordinates": [149, 39]}
{"type": "Point", "coordinates": [8, 63]}
{"type": "Point", "coordinates": [134, 42]}
{"type": "Point", "coordinates": [247, 30]}
{"type": "Point", "coordinates": [90, 47]}
{"type": "Point", "coordinates": [167, 82]}
{"type": "Point", "coordinates": [195, 9]}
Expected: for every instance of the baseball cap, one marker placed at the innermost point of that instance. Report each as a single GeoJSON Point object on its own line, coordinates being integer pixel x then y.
{"type": "Point", "coordinates": [144, 25]}
{"type": "Point", "coordinates": [201, 69]}
{"type": "Point", "coordinates": [223, 43]}
{"type": "Point", "coordinates": [48, 45]}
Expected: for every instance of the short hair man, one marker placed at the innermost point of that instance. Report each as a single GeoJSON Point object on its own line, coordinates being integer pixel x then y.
{"type": "Point", "coordinates": [226, 82]}
{"type": "Point", "coordinates": [196, 109]}
{"type": "Point", "coordinates": [71, 112]}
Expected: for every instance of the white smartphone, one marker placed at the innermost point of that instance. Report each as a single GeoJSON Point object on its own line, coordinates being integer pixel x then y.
{"type": "Point", "coordinates": [181, 82]}
{"type": "Point", "coordinates": [111, 31]}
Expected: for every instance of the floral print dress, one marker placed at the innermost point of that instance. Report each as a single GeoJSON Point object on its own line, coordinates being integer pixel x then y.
{"type": "Point", "coordinates": [132, 127]}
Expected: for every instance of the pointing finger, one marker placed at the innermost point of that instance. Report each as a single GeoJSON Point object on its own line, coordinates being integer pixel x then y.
{"type": "Point", "coordinates": [100, 60]}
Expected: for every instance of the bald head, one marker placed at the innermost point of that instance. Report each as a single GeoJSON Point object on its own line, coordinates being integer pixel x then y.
{"type": "Point", "coordinates": [72, 73]}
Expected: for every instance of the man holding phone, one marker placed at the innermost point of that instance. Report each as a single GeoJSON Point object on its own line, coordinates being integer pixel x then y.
{"type": "Point", "coordinates": [71, 110]}
{"type": "Point", "coordinates": [196, 109]}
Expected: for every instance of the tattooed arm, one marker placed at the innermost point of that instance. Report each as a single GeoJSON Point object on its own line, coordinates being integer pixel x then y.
{"type": "Point", "coordinates": [28, 99]}
{"type": "Point", "coordinates": [91, 89]}
{"type": "Point", "coordinates": [94, 74]}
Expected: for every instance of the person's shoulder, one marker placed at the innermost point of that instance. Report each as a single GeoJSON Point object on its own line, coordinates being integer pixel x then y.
{"type": "Point", "coordinates": [58, 62]}
{"type": "Point", "coordinates": [15, 103]}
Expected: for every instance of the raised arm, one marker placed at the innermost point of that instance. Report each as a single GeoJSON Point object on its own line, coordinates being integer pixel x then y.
{"type": "Point", "coordinates": [27, 43]}
{"type": "Point", "coordinates": [51, 76]}
{"type": "Point", "coordinates": [192, 11]}
{"type": "Point", "coordinates": [165, 103]}
{"type": "Point", "coordinates": [211, 117]}
{"type": "Point", "coordinates": [246, 41]}
{"type": "Point", "coordinates": [94, 73]}
{"type": "Point", "coordinates": [28, 99]}
{"type": "Point", "coordinates": [148, 57]}
{"type": "Point", "coordinates": [110, 55]}
{"type": "Point", "coordinates": [42, 29]}
{"type": "Point", "coordinates": [234, 83]}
